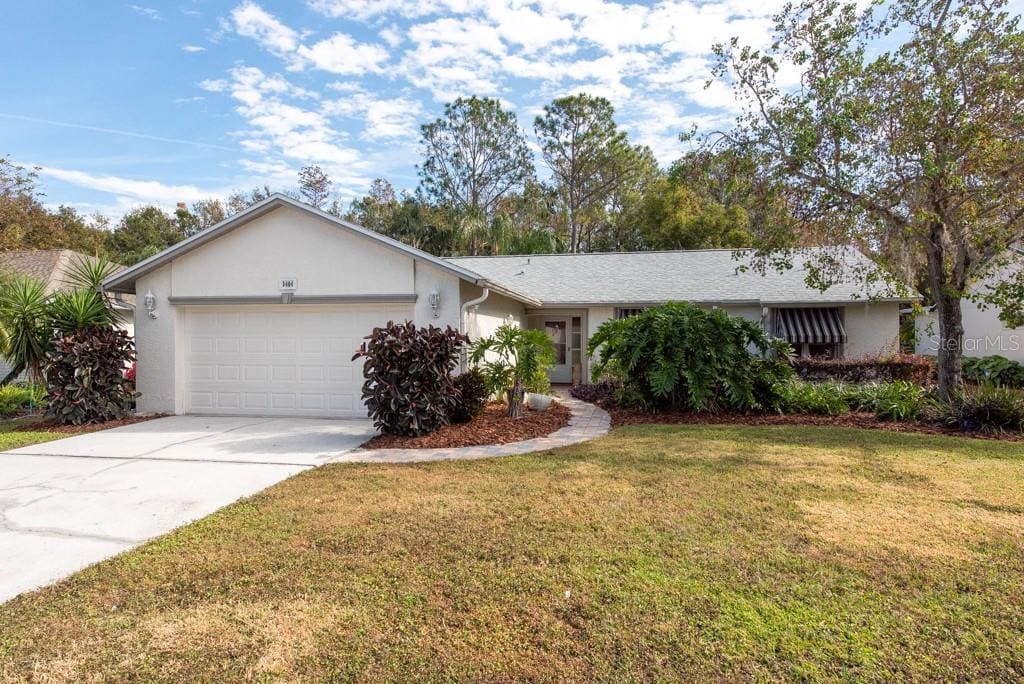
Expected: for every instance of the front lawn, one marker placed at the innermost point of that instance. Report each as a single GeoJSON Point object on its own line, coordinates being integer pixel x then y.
{"type": "Point", "coordinates": [656, 553]}
{"type": "Point", "coordinates": [11, 439]}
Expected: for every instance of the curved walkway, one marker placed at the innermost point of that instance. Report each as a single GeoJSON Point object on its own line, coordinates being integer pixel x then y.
{"type": "Point", "coordinates": [586, 422]}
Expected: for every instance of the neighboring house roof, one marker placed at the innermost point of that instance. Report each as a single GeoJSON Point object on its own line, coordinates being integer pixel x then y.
{"type": "Point", "coordinates": [50, 266]}
{"type": "Point", "coordinates": [125, 280]}
{"type": "Point", "coordinates": [712, 276]}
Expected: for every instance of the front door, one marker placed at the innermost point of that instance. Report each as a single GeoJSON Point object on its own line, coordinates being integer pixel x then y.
{"type": "Point", "coordinates": [558, 330]}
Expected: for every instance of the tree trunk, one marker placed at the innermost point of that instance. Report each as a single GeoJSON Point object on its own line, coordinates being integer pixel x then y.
{"type": "Point", "coordinates": [515, 400]}
{"type": "Point", "coordinates": [951, 343]}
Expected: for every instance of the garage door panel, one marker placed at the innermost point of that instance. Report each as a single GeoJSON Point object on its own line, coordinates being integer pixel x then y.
{"type": "Point", "coordinates": [279, 360]}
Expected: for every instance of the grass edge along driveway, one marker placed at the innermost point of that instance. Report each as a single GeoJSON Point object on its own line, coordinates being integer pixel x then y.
{"type": "Point", "coordinates": [657, 552]}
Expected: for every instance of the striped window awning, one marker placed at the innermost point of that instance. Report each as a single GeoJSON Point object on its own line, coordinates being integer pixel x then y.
{"type": "Point", "coordinates": [810, 326]}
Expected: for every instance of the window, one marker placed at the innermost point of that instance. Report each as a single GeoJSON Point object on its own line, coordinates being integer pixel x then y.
{"type": "Point", "coordinates": [627, 312]}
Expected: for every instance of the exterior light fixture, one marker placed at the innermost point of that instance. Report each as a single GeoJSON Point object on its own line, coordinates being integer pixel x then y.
{"type": "Point", "coordinates": [149, 301]}
{"type": "Point", "coordinates": [435, 303]}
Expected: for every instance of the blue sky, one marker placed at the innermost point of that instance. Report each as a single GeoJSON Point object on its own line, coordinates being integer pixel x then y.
{"type": "Point", "coordinates": [123, 104]}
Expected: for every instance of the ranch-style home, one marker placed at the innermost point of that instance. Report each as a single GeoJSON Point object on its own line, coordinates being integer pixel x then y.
{"type": "Point", "coordinates": [261, 313]}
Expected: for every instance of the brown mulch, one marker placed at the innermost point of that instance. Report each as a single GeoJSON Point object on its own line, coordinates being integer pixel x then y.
{"type": "Point", "coordinates": [46, 425]}
{"type": "Point", "coordinates": [624, 416]}
{"type": "Point", "coordinates": [493, 426]}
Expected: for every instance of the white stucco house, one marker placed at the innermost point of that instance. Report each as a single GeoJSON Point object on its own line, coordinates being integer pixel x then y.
{"type": "Point", "coordinates": [261, 313]}
{"type": "Point", "coordinates": [984, 333]}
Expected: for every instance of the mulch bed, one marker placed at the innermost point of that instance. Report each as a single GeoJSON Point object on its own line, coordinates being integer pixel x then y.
{"type": "Point", "coordinates": [624, 416]}
{"type": "Point", "coordinates": [493, 426]}
{"type": "Point", "coordinates": [45, 425]}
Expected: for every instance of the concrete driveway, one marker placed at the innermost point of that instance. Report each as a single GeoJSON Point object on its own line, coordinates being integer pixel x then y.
{"type": "Point", "coordinates": [72, 502]}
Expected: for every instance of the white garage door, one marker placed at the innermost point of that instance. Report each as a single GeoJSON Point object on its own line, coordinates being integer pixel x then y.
{"type": "Point", "coordinates": [271, 360]}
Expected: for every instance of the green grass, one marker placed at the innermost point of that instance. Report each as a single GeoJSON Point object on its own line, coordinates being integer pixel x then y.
{"type": "Point", "coordinates": [657, 553]}
{"type": "Point", "coordinates": [9, 439]}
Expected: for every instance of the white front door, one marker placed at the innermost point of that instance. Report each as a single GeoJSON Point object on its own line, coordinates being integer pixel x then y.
{"type": "Point", "coordinates": [558, 330]}
{"type": "Point", "coordinates": [278, 360]}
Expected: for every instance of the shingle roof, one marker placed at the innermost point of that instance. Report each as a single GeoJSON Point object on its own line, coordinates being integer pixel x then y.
{"type": "Point", "coordinates": [47, 265]}
{"type": "Point", "coordinates": [711, 276]}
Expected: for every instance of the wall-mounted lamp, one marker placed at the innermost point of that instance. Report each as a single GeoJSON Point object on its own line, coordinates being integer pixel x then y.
{"type": "Point", "coordinates": [435, 302]}
{"type": "Point", "coordinates": [149, 301]}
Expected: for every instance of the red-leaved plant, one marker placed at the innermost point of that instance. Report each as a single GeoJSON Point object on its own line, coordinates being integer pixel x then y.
{"type": "Point", "coordinates": [409, 388]}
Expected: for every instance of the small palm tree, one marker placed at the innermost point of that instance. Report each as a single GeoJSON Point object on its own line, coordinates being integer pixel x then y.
{"type": "Point", "coordinates": [24, 333]}
{"type": "Point", "coordinates": [512, 358]}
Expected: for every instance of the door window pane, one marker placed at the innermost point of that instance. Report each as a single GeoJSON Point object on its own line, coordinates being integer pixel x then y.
{"type": "Point", "coordinates": [556, 331]}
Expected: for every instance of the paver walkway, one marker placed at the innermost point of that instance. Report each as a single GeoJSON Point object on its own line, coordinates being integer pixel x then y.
{"type": "Point", "coordinates": [586, 422]}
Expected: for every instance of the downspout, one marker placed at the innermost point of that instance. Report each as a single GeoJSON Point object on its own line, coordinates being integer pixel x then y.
{"type": "Point", "coordinates": [463, 324]}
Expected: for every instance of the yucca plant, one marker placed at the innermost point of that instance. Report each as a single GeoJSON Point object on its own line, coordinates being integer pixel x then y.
{"type": "Point", "coordinates": [74, 310]}
{"type": "Point", "coordinates": [88, 273]}
{"type": "Point", "coordinates": [24, 333]}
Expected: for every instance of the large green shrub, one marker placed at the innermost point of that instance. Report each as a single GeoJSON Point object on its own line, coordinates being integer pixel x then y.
{"type": "Point", "coordinates": [408, 386]}
{"type": "Point", "coordinates": [85, 376]}
{"type": "Point", "coordinates": [472, 396]}
{"type": "Point", "coordinates": [995, 370]}
{"type": "Point", "coordinates": [514, 360]}
{"type": "Point", "coordinates": [680, 356]}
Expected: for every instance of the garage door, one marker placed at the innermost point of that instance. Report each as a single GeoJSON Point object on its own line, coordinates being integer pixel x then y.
{"type": "Point", "coordinates": [292, 360]}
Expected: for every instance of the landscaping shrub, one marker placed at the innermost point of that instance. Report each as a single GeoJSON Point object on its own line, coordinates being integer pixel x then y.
{"type": "Point", "coordinates": [15, 398]}
{"type": "Point", "coordinates": [85, 376]}
{"type": "Point", "coordinates": [513, 361]}
{"type": "Point", "coordinates": [472, 396]}
{"type": "Point", "coordinates": [812, 398]}
{"type": "Point", "coordinates": [919, 370]}
{"type": "Point", "coordinates": [986, 408]}
{"type": "Point", "coordinates": [898, 400]}
{"type": "Point", "coordinates": [596, 393]}
{"type": "Point", "coordinates": [679, 356]}
{"type": "Point", "coordinates": [995, 370]}
{"type": "Point", "coordinates": [409, 389]}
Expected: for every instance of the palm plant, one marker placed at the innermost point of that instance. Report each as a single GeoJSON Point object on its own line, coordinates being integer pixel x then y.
{"type": "Point", "coordinates": [88, 274]}
{"type": "Point", "coordinates": [24, 333]}
{"type": "Point", "coordinates": [511, 359]}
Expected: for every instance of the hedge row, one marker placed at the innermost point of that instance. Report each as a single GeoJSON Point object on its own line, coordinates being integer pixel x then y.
{"type": "Point", "coordinates": [919, 370]}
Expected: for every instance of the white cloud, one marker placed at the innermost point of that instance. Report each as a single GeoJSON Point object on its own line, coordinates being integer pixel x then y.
{"type": "Point", "coordinates": [341, 54]}
{"type": "Point", "coordinates": [367, 9]}
{"type": "Point", "coordinates": [145, 191]}
{"type": "Point", "coordinates": [279, 127]}
{"type": "Point", "coordinates": [192, 48]}
{"type": "Point", "coordinates": [384, 118]}
{"type": "Point", "coordinates": [252, 21]}
{"type": "Point", "coordinates": [148, 12]}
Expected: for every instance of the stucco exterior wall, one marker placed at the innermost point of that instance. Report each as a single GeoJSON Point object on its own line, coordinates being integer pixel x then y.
{"type": "Point", "coordinates": [872, 329]}
{"type": "Point", "coordinates": [250, 262]}
{"type": "Point", "coordinates": [158, 344]}
{"type": "Point", "coordinates": [289, 243]}
{"type": "Point", "coordinates": [430, 279]}
{"type": "Point", "coordinates": [984, 334]}
{"type": "Point", "coordinates": [492, 313]}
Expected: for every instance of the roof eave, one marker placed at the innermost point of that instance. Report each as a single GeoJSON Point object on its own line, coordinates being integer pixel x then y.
{"type": "Point", "coordinates": [125, 280]}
